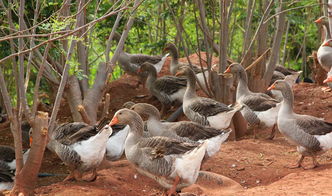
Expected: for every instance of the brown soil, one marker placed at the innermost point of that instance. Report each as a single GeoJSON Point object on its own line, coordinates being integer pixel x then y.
{"type": "Point", "coordinates": [255, 164]}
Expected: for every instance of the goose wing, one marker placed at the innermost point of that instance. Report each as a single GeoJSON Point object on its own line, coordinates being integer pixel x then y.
{"type": "Point", "coordinates": [6, 176]}
{"type": "Point", "coordinates": [7, 153]}
{"type": "Point", "coordinates": [139, 59]}
{"type": "Point", "coordinates": [313, 125]}
{"type": "Point", "coordinates": [170, 84]}
{"type": "Point", "coordinates": [259, 102]}
{"type": "Point", "coordinates": [195, 131]}
{"type": "Point", "coordinates": [208, 107]}
{"type": "Point", "coordinates": [158, 147]}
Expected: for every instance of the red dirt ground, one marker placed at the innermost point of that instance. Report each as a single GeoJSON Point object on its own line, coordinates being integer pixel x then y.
{"type": "Point", "coordinates": [252, 166]}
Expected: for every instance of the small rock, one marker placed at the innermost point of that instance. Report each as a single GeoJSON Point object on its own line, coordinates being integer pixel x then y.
{"type": "Point", "coordinates": [233, 165]}
{"type": "Point", "coordinates": [135, 176]}
{"type": "Point", "coordinates": [258, 181]}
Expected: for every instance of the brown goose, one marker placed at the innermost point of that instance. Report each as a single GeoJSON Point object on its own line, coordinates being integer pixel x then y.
{"type": "Point", "coordinates": [130, 63]}
{"type": "Point", "coordinates": [311, 135]}
{"type": "Point", "coordinates": [260, 109]}
{"type": "Point", "coordinates": [172, 163]}
{"type": "Point", "coordinates": [202, 110]}
{"type": "Point", "coordinates": [167, 89]}
{"type": "Point", "coordinates": [183, 130]}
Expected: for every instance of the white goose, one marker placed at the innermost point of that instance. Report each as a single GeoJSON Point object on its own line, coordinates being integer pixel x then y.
{"type": "Point", "coordinates": [310, 134]}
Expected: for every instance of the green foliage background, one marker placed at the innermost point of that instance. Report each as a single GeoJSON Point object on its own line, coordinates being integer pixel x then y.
{"type": "Point", "coordinates": [154, 26]}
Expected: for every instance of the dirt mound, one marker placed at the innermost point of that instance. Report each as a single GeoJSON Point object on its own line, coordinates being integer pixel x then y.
{"type": "Point", "coordinates": [257, 165]}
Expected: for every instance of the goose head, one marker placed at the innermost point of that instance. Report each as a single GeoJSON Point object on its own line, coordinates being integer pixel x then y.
{"type": "Point", "coordinates": [329, 79]}
{"type": "Point", "coordinates": [146, 67]}
{"type": "Point", "coordinates": [280, 85]}
{"type": "Point", "coordinates": [234, 68]}
{"type": "Point", "coordinates": [128, 117]}
{"type": "Point", "coordinates": [322, 20]}
{"type": "Point", "coordinates": [328, 43]}
{"type": "Point", "coordinates": [170, 47]}
{"type": "Point", "coordinates": [146, 109]}
{"type": "Point", "coordinates": [188, 72]}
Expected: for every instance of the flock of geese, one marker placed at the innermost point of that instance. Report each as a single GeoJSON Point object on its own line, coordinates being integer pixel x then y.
{"type": "Point", "coordinates": [171, 153]}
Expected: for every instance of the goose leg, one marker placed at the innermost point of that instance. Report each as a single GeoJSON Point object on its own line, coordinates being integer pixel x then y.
{"type": "Point", "coordinates": [77, 175]}
{"type": "Point", "coordinates": [298, 164]}
{"type": "Point", "coordinates": [273, 133]}
{"type": "Point", "coordinates": [93, 176]}
{"type": "Point", "coordinates": [172, 190]}
{"type": "Point", "coordinates": [70, 177]}
{"type": "Point", "coordinates": [314, 163]}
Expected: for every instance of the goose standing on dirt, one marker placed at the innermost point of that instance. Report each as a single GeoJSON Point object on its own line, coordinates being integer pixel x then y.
{"type": "Point", "coordinates": [312, 135]}
{"type": "Point", "coordinates": [202, 110]}
{"type": "Point", "coordinates": [259, 109]}
{"type": "Point", "coordinates": [8, 166]}
{"type": "Point", "coordinates": [324, 53]}
{"type": "Point", "coordinates": [325, 58]}
{"type": "Point", "coordinates": [176, 66]}
{"type": "Point", "coordinates": [172, 163]}
{"type": "Point", "coordinates": [6, 180]}
{"type": "Point", "coordinates": [183, 130]}
{"type": "Point", "coordinates": [130, 63]}
{"type": "Point", "coordinates": [81, 151]}
{"type": "Point", "coordinates": [167, 89]}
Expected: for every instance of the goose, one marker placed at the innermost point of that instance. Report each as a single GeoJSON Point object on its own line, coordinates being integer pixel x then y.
{"type": "Point", "coordinates": [116, 141]}
{"type": "Point", "coordinates": [8, 166]}
{"type": "Point", "coordinates": [325, 57]}
{"type": "Point", "coordinates": [324, 53]}
{"type": "Point", "coordinates": [6, 179]}
{"type": "Point", "coordinates": [310, 134]}
{"type": "Point", "coordinates": [172, 163]}
{"type": "Point", "coordinates": [81, 147]}
{"type": "Point", "coordinates": [184, 130]}
{"type": "Point", "coordinates": [260, 109]}
{"type": "Point", "coordinates": [130, 63]}
{"type": "Point", "coordinates": [202, 110]}
{"type": "Point", "coordinates": [176, 66]}
{"type": "Point", "coordinates": [167, 89]}
{"type": "Point", "coordinates": [290, 77]}
{"type": "Point", "coordinates": [7, 158]}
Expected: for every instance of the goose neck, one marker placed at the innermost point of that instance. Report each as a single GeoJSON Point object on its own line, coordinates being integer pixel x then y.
{"type": "Point", "coordinates": [288, 100]}
{"type": "Point", "coordinates": [242, 88]}
{"type": "Point", "coordinates": [327, 32]}
{"type": "Point", "coordinates": [152, 77]}
{"type": "Point", "coordinates": [191, 85]}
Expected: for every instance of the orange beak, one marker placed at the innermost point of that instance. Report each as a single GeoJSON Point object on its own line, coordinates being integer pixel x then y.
{"type": "Point", "coordinates": [318, 21]}
{"type": "Point", "coordinates": [329, 79]}
{"type": "Point", "coordinates": [180, 73]}
{"type": "Point", "coordinates": [228, 70]}
{"type": "Point", "coordinates": [30, 140]}
{"type": "Point", "coordinates": [271, 87]}
{"type": "Point", "coordinates": [114, 121]}
{"type": "Point", "coordinates": [326, 44]}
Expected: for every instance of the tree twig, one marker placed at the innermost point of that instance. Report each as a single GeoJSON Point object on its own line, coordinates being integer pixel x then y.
{"type": "Point", "coordinates": [85, 117]}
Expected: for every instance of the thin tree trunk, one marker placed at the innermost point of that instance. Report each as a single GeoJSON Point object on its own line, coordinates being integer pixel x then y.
{"type": "Point", "coordinates": [285, 45]}
{"type": "Point", "coordinates": [26, 179]}
{"type": "Point", "coordinates": [82, 52]}
{"type": "Point", "coordinates": [329, 13]}
{"type": "Point", "coordinates": [281, 18]}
